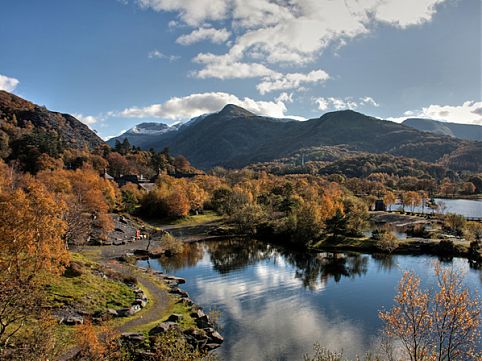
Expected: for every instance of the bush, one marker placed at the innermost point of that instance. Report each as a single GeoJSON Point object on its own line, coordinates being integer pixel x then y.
{"type": "Point", "coordinates": [387, 242]}
{"type": "Point", "coordinates": [171, 245]}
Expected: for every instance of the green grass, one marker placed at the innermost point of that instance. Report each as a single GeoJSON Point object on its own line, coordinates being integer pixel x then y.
{"type": "Point", "coordinates": [90, 291]}
{"type": "Point", "coordinates": [178, 308]}
{"type": "Point", "coordinates": [206, 217]}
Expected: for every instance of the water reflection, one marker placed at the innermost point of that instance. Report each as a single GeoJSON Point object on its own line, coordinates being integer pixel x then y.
{"type": "Point", "coordinates": [235, 254]}
{"type": "Point", "coordinates": [191, 255]}
{"type": "Point", "coordinates": [275, 303]}
{"type": "Point", "coordinates": [384, 262]}
{"type": "Point", "coordinates": [320, 267]}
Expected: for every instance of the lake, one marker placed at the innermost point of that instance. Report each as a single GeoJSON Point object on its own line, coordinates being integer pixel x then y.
{"type": "Point", "coordinates": [465, 207]}
{"type": "Point", "coordinates": [276, 303]}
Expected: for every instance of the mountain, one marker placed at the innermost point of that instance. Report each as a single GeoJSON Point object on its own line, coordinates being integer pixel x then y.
{"type": "Point", "coordinates": [21, 114]}
{"type": "Point", "coordinates": [462, 131]}
{"type": "Point", "coordinates": [234, 137]}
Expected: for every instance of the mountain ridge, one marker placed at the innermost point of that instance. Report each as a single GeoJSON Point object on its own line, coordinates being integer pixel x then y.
{"type": "Point", "coordinates": [235, 138]}
{"type": "Point", "coordinates": [22, 113]}
{"type": "Point", "coordinates": [462, 131]}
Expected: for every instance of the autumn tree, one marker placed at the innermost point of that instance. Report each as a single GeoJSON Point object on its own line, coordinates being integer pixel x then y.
{"type": "Point", "coordinates": [118, 164]}
{"type": "Point", "coordinates": [97, 343]}
{"type": "Point", "coordinates": [441, 326]}
{"type": "Point", "coordinates": [389, 198]}
{"type": "Point", "coordinates": [131, 196]}
{"type": "Point", "coordinates": [412, 199]}
{"type": "Point", "coordinates": [31, 248]}
{"type": "Point", "coordinates": [88, 197]}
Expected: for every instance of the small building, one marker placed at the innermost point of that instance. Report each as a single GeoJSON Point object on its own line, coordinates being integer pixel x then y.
{"type": "Point", "coordinates": [380, 206]}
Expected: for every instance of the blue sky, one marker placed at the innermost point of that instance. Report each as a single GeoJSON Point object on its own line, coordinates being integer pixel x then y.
{"type": "Point", "coordinates": [116, 63]}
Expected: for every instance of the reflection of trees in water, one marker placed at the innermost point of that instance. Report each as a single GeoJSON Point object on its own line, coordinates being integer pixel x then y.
{"type": "Point", "coordinates": [384, 262]}
{"type": "Point", "coordinates": [237, 253]}
{"type": "Point", "coordinates": [323, 266]}
{"type": "Point", "coordinates": [190, 256]}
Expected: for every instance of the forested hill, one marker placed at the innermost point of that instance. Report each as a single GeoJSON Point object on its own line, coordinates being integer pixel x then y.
{"type": "Point", "coordinates": [21, 116]}
{"type": "Point", "coordinates": [234, 137]}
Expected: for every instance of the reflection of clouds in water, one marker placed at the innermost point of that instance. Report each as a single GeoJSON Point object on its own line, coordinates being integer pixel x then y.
{"type": "Point", "coordinates": [292, 327]}
{"type": "Point", "coordinates": [235, 288]}
{"type": "Point", "coordinates": [265, 323]}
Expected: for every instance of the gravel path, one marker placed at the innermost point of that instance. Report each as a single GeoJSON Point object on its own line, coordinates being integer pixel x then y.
{"type": "Point", "coordinates": [159, 298]}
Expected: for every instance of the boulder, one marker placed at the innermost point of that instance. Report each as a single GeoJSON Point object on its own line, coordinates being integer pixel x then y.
{"type": "Point", "coordinates": [174, 318]}
{"type": "Point", "coordinates": [203, 322]}
{"type": "Point", "coordinates": [163, 327]}
{"type": "Point", "coordinates": [112, 312]}
{"type": "Point", "coordinates": [198, 313]}
{"type": "Point", "coordinates": [74, 320]}
{"type": "Point", "coordinates": [175, 279]}
{"type": "Point", "coordinates": [212, 346]}
{"type": "Point", "coordinates": [125, 312]}
{"type": "Point", "coordinates": [133, 337]}
{"type": "Point", "coordinates": [178, 291]}
{"type": "Point", "coordinates": [187, 301]}
{"type": "Point", "coordinates": [141, 302]}
{"type": "Point", "coordinates": [215, 337]}
{"type": "Point", "coordinates": [134, 309]}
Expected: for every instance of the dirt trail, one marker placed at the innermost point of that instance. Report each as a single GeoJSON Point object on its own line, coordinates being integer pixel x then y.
{"type": "Point", "coordinates": [159, 298]}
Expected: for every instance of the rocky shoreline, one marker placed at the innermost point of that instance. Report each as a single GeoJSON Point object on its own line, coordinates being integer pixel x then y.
{"type": "Point", "coordinates": [203, 337]}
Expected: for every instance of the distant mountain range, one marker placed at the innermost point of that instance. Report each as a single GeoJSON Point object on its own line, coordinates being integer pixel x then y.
{"type": "Point", "coordinates": [462, 131]}
{"type": "Point", "coordinates": [20, 113]}
{"type": "Point", "coordinates": [235, 137]}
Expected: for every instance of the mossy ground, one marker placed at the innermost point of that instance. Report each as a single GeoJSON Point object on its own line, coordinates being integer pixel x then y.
{"type": "Point", "coordinates": [90, 291]}
{"type": "Point", "coordinates": [191, 220]}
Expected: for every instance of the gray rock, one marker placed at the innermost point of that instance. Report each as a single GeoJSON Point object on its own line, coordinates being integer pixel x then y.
{"type": "Point", "coordinates": [134, 309]}
{"type": "Point", "coordinates": [133, 336]}
{"type": "Point", "coordinates": [141, 302]}
{"type": "Point", "coordinates": [74, 320]}
{"type": "Point", "coordinates": [203, 322]}
{"type": "Point", "coordinates": [174, 318]}
{"type": "Point", "coordinates": [198, 313]}
{"type": "Point", "coordinates": [186, 300]}
{"type": "Point", "coordinates": [215, 337]}
{"type": "Point", "coordinates": [112, 312]}
{"type": "Point", "coordinates": [162, 328]}
{"type": "Point", "coordinates": [125, 312]}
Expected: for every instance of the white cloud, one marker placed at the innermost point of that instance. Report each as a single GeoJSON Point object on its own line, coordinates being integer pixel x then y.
{"type": "Point", "coordinates": [295, 81]}
{"type": "Point", "coordinates": [344, 103]}
{"type": "Point", "coordinates": [286, 32]}
{"type": "Point", "coordinates": [216, 36]}
{"type": "Point", "coordinates": [407, 12]}
{"type": "Point", "coordinates": [221, 69]}
{"type": "Point", "coordinates": [182, 108]}
{"type": "Point", "coordinates": [7, 83]}
{"type": "Point", "coordinates": [156, 54]}
{"type": "Point", "coordinates": [285, 97]}
{"type": "Point", "coordinates": [369, 101]}
{"type": "Point", "coordinates": [86, 119]}
{"type": "Point", "coordinates": [470, 112]}
{"type": "Point", "coordinates": [192, 12]}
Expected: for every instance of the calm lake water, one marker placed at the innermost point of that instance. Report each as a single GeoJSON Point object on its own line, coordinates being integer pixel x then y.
{"type": "Point", "coordinates": [465, 207]}
{"type": "Point", "coordinates": [276, 303]}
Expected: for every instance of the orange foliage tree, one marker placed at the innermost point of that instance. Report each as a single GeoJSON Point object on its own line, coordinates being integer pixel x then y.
{"type": "Point", "coordinates": [88, 197]}
{"type": "Point", "coordinates": [31, 248]}
{"type": "Point", "coordinates": [442, 326]}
